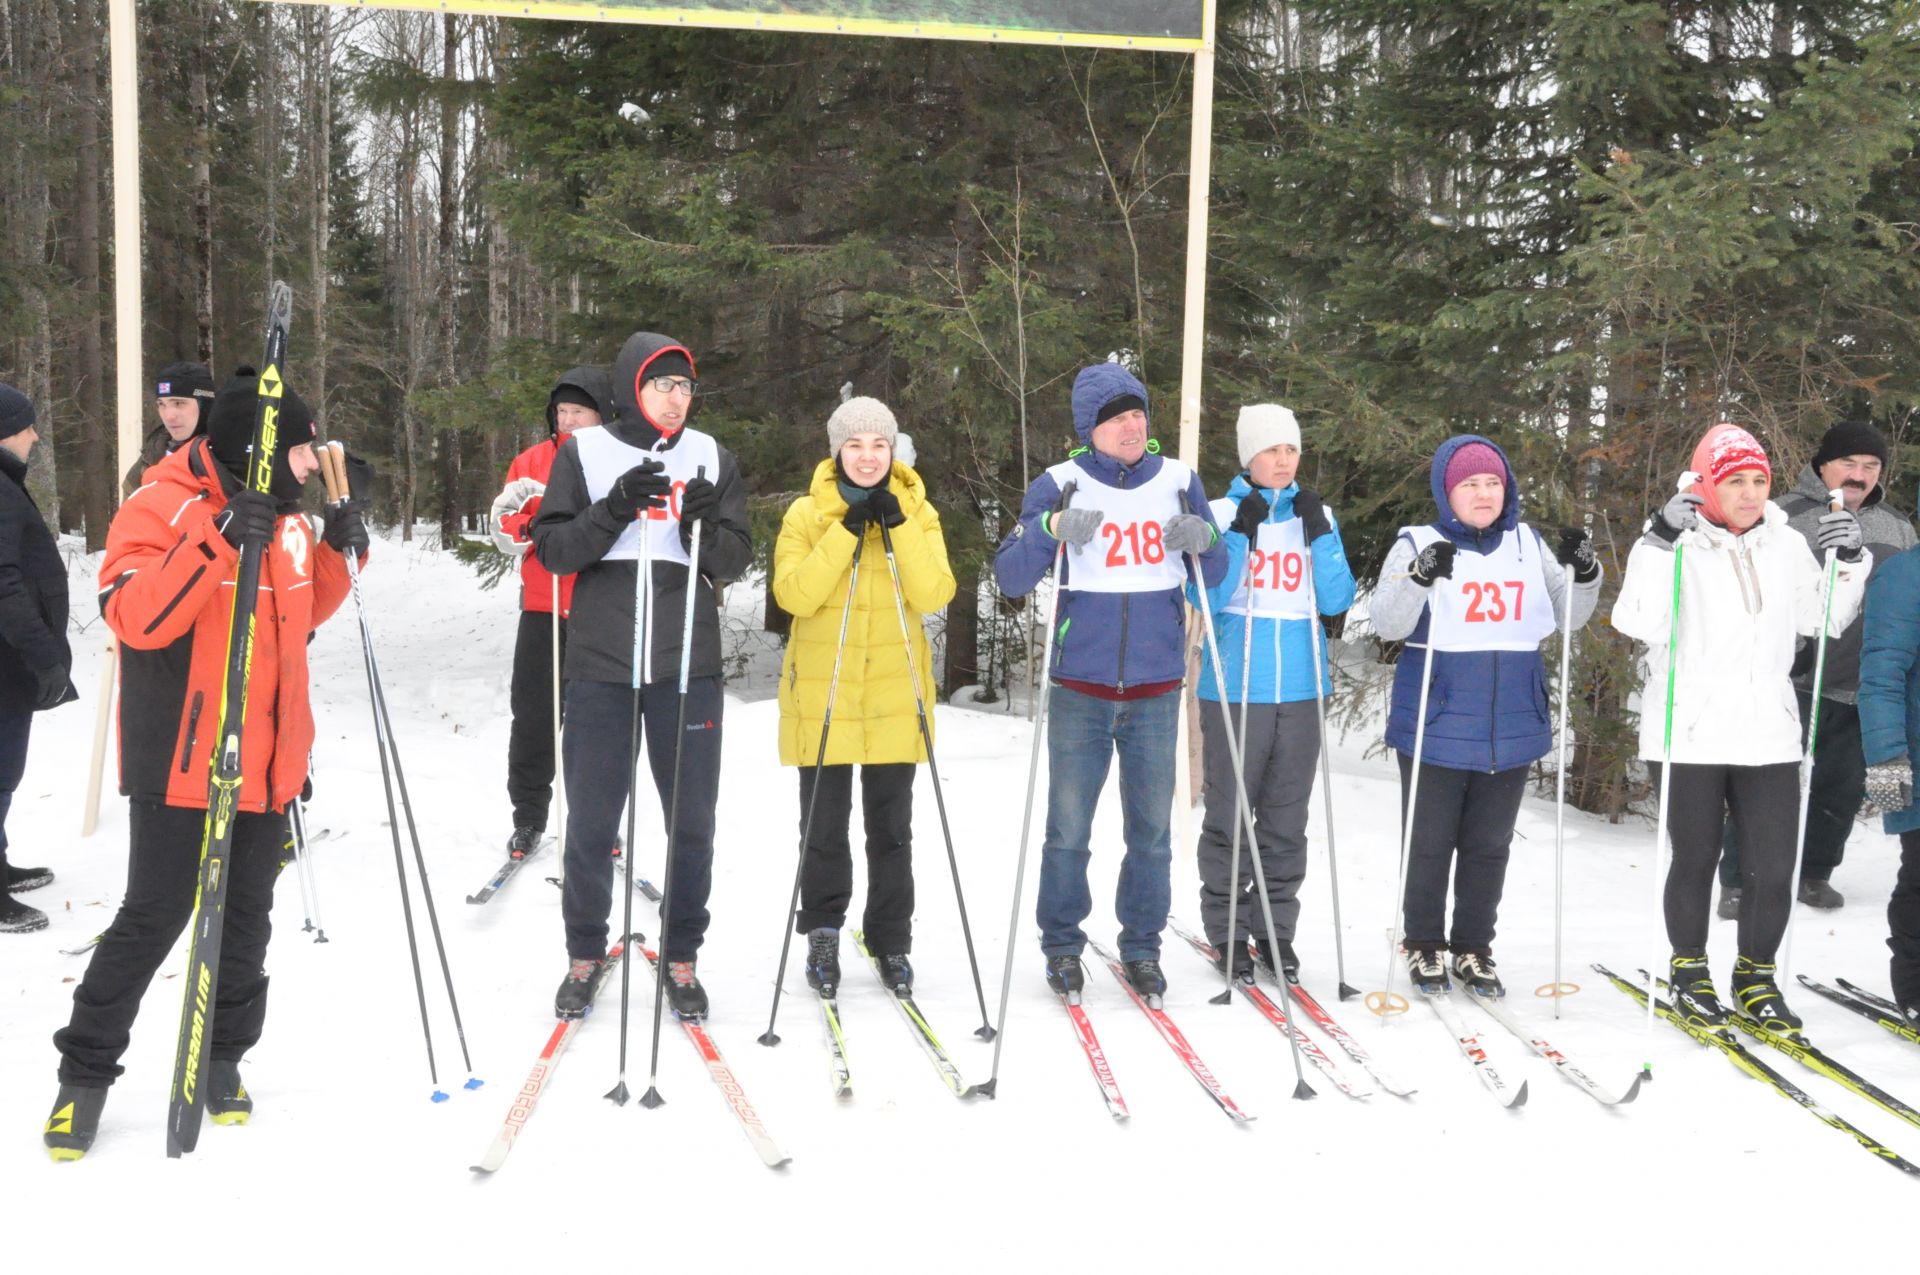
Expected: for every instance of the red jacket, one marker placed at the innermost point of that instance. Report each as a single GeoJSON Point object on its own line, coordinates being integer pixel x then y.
{"type": "Point", "coordinates": [166, 588]}
{"type": "Point", "coordinates": [536, 582]}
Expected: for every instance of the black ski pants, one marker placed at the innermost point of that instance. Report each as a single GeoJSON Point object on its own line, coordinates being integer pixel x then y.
{"type": "Point", "coordinates": [595, 747]}
{"type": "Point", "coordinates": [530, 740]}
{"type": "Point", "coordinates": [1903, 922]}
{"type": "Point", "coordinates": [826, 871]}
{"type": "Point", "coordinates": [1763, 803]}
{"type": "Point", "coordinates": [1281, 744]}
{"type": "Point", "coordinates": [163, 869]}
{"type": "Point", "coordinates": [1835, 792]}
{"type": "Point", "coordinates": [1463, 827]}
{"type": "Point", "coordinates": [15, 730]}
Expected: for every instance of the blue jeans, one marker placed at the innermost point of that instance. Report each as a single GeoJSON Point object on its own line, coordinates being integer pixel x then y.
{"type": "Point", "coordinates": [1083, 733]}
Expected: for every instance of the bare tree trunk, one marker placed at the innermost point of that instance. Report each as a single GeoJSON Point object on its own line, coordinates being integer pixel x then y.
{"type": "Point", "coordinates": [320, 164]}
{"type": "Point", "coordinates": [269, 135]}
{"type": "Point", "coordinates": [199, 157]}
{"type": "Point", "coordinates": [449, 273]}
{"type": "Point", "coordinates": [96, 475]}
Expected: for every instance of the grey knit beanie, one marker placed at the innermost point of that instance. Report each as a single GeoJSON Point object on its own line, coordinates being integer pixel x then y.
{"type": "Point", "coordinates": [859, 416]}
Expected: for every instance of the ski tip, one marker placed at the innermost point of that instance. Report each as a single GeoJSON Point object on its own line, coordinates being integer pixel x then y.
{"type": "Point", "coordinates": [474, 898]}
{"type": "Point", "coordinates": [618, 1094]}
{"type": "Point", "coordinates": [1347, 993]}
{"type": "Point", "coordinates": [1633, 1090]}
{"type": "Point", "coordinates": [986, 1089]}
{"type": "Point", "coordinates": [769, 1039]}
{"type": "Point", "coordinates": [985, 1032]}
{"type": "Point", "coordinates": [1519, 1099]}
{"type": "Point", "coordinates": [1303, 1091]}
{"type": "Point", "coordinates": [473, 1082]}
{"type": "Point", "coordinates": [652, 1099]}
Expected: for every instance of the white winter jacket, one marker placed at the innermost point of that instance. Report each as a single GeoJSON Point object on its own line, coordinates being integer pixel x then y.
{"type": "Point", "coordinates": [1744, 602]}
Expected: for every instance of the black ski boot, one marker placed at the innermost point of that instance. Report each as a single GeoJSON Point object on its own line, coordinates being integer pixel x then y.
{"type": "Point", "coordinates": [1242, 959]}
{"type": "Point", "coordinates": [17, 918]}
{"type": "Point", "coordinates": [75, 1121]}
{"type": "Point", "coordinates": [1289, 963]}
{"type": "Point", "coordinates": [1756, 994]}
{"type": "Point", "coordinates": [1066, 976]}
{"type": "Point", "coordinates": [228, 1101]}
{"type": "Point", "coordinates": [1427, 967]}
{"type": "Point", "coordinates": [823, 961]}
{"type": "Point", "coordinates": [523, 841]}
{"type": "Point", "coordinates": [1475, 969]}
{"type": "Point", "coordinates": [1147, 979]}
{"type": "Point", "coordinates": [1694, 999]}
{"type": "Point", "coordinates": [1815, 892]}
{"type": "Point", "coordinates": [575, 997]}
{"type": "Point", "coordinates": [896, 972]}
{"type": "Point", "coordinates": [684, 993]}
{"type": "Point", "coordinates": [19, 879]}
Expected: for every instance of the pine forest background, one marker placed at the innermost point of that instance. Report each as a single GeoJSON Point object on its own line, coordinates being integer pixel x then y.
{"type": "Point", "coordinates": [1586, 228]}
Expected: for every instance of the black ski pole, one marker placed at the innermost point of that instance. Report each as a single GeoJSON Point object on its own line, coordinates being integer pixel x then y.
{"type": "Point", "coordinates": [985, 1030]}
{"type": "Point", "coordinates": [770, 1038]}
{"type": "Point", "coordinates": [651, 1098]}
{"type": "Point", "coordinates": [187, 1100]}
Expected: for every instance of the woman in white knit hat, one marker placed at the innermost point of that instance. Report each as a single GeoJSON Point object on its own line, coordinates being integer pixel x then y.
{"type": "Point", "coordinates": [860, 488]}
{"type": "Point", "coordinates": [1284, 560]}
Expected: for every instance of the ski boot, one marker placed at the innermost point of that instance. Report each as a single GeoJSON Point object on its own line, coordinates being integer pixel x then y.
{"type": "Point", "coordinates": [1146, 978]}
{"type": "Point", "coordinates": [19, 879]}
{"type": "Point", "coordinates": [1728, 908]}
{"type": "Point", "coordinates": [1242, 959]}
{"type": "Point", "coordinates": [1757, 996]}
{"type": "Point", "coordinates": [523, 842]}
{"type": "Point", "coordinates": [1694, 999]}
{"type": "Point", "coordinates": [684, 993]}
{"type": "Point", "coordinates": [896, 973]}
{"type": "Point", "coordinates": [1066, 976]}
{"type": "Point", "coordinates": [75, 1121]}
{"type": "Point", "coordinates": [1427, 967]}
{"type": "Point", "coordinates": [17, 918]}
{"type": "Point", "coordinates": [1289, 964]}
{"type": "Point", "coordinates": [1820, 894]}
{"type": "Point", "coordinates": [228, 1101]}
{"type": "Point", "coordinates": [823, 961]}
{"type": "Point", "coordinates": [1475, 969]}
{"type": "Point", "coordinates": [575, 997]}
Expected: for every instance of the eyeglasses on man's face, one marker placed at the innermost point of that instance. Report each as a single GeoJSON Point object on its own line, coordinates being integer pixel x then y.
{"type": "Point", "coordinates": [673, 385]}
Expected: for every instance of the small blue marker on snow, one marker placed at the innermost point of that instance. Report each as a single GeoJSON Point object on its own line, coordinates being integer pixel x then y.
{"type": "Point", "coordinates": [474, 1082]}
{"type": "Point", "coordinates": [438, 1096]}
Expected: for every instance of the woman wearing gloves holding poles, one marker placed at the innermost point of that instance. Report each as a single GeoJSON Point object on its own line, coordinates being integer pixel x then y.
{"type": "Point", "coordinates": [1274, 670]}
{"type": "Point", "coordinates": [1475, 593]}
{"type": "Point", "coordinates": [859, 489]}
{"type": "Point", "coordinates": [1747, 590]}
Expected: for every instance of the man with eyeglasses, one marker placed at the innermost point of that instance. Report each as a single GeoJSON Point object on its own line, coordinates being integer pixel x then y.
{"type": "Point", "coordinates": [627, 494]}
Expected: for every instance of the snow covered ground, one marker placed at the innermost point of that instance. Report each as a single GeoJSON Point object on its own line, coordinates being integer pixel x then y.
{"type": "Point", "coordinates": [347, 1158]}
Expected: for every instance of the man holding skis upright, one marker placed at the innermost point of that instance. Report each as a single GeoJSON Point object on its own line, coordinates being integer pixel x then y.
{"type": "Point", "coordinates": [581, 399]}
{"type": "Point", "coordinates": [619, 496]}
{"type": "Point", "coordinates": [1118, 661]}
{"type": "Point", "coordinates": [166, 589]}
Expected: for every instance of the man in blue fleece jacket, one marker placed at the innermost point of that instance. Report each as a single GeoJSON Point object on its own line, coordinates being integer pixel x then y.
{"type": "Point", "coordinates": [1118, 661]}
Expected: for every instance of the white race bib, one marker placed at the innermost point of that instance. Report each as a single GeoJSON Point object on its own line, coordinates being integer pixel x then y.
{"type": "Point", "coordinates": [1276, 569]}
{"type": "Point", "coordinates": [1493, 601]}
{"type": "Point", "coordinates": [1128, 553]}
{"type": "Point", "coordinates": [603, 458]}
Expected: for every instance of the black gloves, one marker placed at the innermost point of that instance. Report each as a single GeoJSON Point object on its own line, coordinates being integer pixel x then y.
{"type": "Point", "coordinates": [346, 529]}
{"type": "Point", "coordinates": [698, 499]}
{"type": "Point", "coordinates": [1434, 563]}
{"type": "Point", "coordinates": [1576, 550]}
{"type": "Point", "coordinates": [1253, 511]}
{"type": "Point", "coordinates": [881, 507]}
{"type": "Point", "coordinates": [248, 517]}
{"type": "Point", "coordinates": [1312, 512]}
{"type": "Point", "coordinates": [49, 688]}
{"type": "Point", "coordinates": [642, 488]}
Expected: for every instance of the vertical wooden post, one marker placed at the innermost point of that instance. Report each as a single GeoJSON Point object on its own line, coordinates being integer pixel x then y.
{"type": "Point", "coordinates": [124, 79]}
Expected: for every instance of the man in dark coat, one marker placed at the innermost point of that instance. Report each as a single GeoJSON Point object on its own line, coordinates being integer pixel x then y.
{"type": "Point", "coordinates": [34, 657]}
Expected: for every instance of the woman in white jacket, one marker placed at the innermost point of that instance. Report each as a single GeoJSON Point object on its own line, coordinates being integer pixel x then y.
{"type": "Point", "coordinates": [1749, 591]}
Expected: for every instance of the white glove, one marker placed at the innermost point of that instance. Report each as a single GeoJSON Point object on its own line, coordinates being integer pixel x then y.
{"type": "Point", "coordinates": [511, 500]}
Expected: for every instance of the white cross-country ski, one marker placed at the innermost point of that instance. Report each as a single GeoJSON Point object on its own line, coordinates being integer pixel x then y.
{"type": "Point", "coordinates": [506, 871]}
{"type": "Point", "coordinates": [1473, 1051]}
{"type": "Point", "coordinates": [1538, 1044]}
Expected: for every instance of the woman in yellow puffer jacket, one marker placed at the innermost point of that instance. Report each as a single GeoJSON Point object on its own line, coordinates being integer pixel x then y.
{"type": "Point", "coordinates": [855, 491]}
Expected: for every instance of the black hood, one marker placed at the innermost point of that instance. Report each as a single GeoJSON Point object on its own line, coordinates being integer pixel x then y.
{"type": "Point", "coordinates": [629, 423]}
{"type": "Point", "coordinates": [590, 381]}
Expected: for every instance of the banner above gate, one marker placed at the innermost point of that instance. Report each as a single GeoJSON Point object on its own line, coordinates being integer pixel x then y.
{"type": "Point", "coordinates": [1115, 24]}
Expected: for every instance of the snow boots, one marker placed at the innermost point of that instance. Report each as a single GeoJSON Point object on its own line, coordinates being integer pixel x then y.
{"type": "Point", "coordinates": [1757, 996]}
{"type": "Point", "coordinates": [75, 1121]}
{"type": "Point", "coordinates": [1475, 969]}
{"type": "Point", "coordinates": [17, 918]}
{"type": "Point", "coordinates": [19, 879]}
{"type": "Point", "coordinates": [1694, 998]}
{"type": "Point", "coordinates": [1729, 905]}
{"type": "Point", "coordinates": [823, 961]}
{"type": "Point", "coordinates": [575, 997]}
{"type": "Point", "coordinates": [684, 993]}
{"type": "Point", "coordinates": [1427, 967]}
{"type": "Point", "coordinates": [227, 1099]}
{"type": "Point", "coordinates": [1815, 894]}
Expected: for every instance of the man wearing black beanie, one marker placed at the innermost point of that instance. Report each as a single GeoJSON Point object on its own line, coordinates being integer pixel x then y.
{"type": "Point", "coordinates": [183, 397]}
{"type": "Point", "coordinates": [1851, 459]}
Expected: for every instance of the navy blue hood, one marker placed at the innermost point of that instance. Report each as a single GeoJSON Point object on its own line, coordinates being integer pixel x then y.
{"type": "Point", "coordinates": [1097, 386]}
{"type": "Point", "coordinates": [1455, 530]}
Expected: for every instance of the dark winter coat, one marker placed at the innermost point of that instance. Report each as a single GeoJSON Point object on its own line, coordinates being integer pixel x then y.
{"type": "Point", "coordinates": [1890, 672]}
{"type": "Point", "coordinates": [536, 582]}
{"type": "Point", "coordinates": [572, 534]}
{"type": "Point", "coordinates": [1886, 533]}
{"type": "Point", "coordinates": [1486, 710]}
{"type": "Point", "coordinates": [33, 594]}
{"type": "Point", "coordinates": [1107, 639]}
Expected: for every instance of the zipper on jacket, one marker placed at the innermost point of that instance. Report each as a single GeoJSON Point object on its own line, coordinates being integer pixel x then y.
{"type": "Point", "coordinates": [1125, 598]}
{"type": "Point", "coordinates": [193, 727]}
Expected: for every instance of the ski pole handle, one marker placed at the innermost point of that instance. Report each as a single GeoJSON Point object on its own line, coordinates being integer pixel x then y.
{"type": "Point", "coordinates": [333, 471]}
{"type": "Point", "coordinates": [1836, 501]}
{"type": "Point", "coordinates": [1687, 479]}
